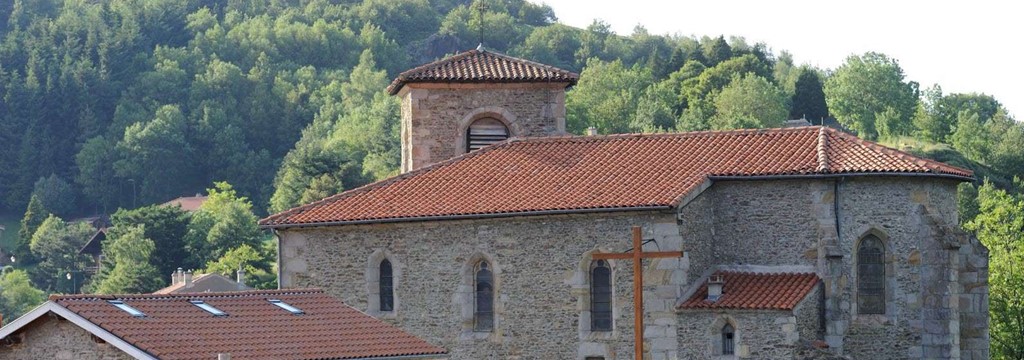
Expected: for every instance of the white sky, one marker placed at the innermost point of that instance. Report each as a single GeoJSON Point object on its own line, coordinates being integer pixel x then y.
{"type": "Point", "coordinates": [964, 46]}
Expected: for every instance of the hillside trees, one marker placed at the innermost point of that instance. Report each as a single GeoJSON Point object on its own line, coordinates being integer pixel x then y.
{"type": "Point", "coordinates": [56, 243]}
{"type": "Point", "coordinates": [128, 269]}
{"type": "Point", "coordinates": [749, 102]}
{"type": "Point", "coordinates": [17, 295]}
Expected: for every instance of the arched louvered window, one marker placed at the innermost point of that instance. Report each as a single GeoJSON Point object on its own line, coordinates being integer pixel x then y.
{"type": "Point", "coordinates": [387, 290]}
{"type": "Point", "coordinates": [600, 296]}
{"type": "Point", "coordinates": [483, 313]}
{"type": "Point", "coordinates": [485, 132]}
{"type": "Point", "coordinates": [728, 340]}
{"type": "Point", "coordinates": [871, 276]}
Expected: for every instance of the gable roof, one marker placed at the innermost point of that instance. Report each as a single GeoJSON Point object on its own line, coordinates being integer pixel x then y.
{"type": "Point", "coordinates": [604, 173]}
{"type": "Point", "coordinates": [205, 282]}
{"type": "Point", "coordinates": [174, 328]}
{"type": "Point", "coordinates": [95, 244]}
{"type": "Point", "coordinates": [482, 66]}
{"type": "Point", "coordinates": [755, 291]}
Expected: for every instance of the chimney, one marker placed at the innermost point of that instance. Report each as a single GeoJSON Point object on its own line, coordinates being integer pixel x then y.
{"type": "Point", "coordinates": [715, 285]}
{"type": "Point", "coordinates": [591, 131]}
{"type": "Point", "coordinates": [188, 279]}
{"type": "Point", "coordinates": [241, 278]}
{"type": "Point", "coordinates": [179, 276]}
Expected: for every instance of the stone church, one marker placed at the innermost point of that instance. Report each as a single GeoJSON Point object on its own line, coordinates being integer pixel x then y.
{"type": "Point", "coordinates": [797, 242]}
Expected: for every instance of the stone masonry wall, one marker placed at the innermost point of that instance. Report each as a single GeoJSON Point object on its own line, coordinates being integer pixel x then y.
{"type": "Point", "coordinates": [759, 334]}
{"type": "Point", "coordinates": [793, 222]}
{"type": "Point", "coordinates": [435, 116]}
{"type": "Point", "coordinates": [59, 339]}
{"type": "Point", "coordinates": [540, 265]}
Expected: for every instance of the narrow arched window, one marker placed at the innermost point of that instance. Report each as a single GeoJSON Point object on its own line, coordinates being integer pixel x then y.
{"type": "Point", "coordinates": [871, 276]}
{"type": "Point", "coordinates": [483, 314]}
{"type": "Point", "coordinates": [728, 340]}
{"type": "Point", "coordinates": [387, 289]}
{"type": "Point", "coordinates": [485, 132]}
{"type": "Point", "coordinates": [600, 296]}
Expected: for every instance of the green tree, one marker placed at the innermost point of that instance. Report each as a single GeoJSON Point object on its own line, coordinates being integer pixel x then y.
{"type": "Point", "coordinates": [17, 295]}
{"type": "Point", "coordinates": [999, 225]}
{"type": "Point", "coordinates": [35, 214]}
{"type": "Point", "coordinates": [606, 97]}
{"type": "Point", "coordinates": [808, 97]}
{"type": "Point", "coordinates": [56, 244]}
{"type": "Point", "coordinates": [865, 86]}
{"type": "Point", "coordinates": [166, 226]}
{"type": "Point", "coordinates": [747, 102]}
{"type": "Point", "coordinates": [716, 50]}
{"type": "Point", "coordinates": [158, 155]}
{"type": "Point", "coordinates": [55, 194]}
{"type": "Point", "coordinates": [129, 270]}
{"type": "Point", "coordinates": [96, 176]}
{"type": "Point", "coordinates": [224, 222]}
{"type": "Point", "coordinates": [971, 137]}
{"type": "Point", "coordinates": [257, 263]}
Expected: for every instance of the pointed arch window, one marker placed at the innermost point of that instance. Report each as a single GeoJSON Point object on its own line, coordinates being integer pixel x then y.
{"type": "Point", "coordinates": [483, 312]}
{"type": "Point", "coordinates": [728, 340]}
{"type": "Point", "coordinates": [386, 286]}
{"type": "Point", "coordinates": [485, 132]}
{"type": "Point", "coordinates": [600, 296]}
{"type": "Point", "coordinates": [871, 276]}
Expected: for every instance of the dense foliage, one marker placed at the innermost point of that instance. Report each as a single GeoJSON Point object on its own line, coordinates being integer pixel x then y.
{"type": "Point", "coordinates": [122, 104]}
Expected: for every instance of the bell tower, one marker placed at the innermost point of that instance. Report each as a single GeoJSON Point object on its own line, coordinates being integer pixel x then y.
{"type": "Point", "coordinates": [475, 99]}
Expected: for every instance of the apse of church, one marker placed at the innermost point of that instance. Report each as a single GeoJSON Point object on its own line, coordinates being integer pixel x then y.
{"type": "Point", "coordinates": [801, 243]}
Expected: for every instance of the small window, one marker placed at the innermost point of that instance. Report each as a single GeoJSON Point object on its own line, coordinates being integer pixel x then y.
{"type": "Point", "coordinates": [209, 308]}
{"type": "Point", "coordinates": [286, 306]}
{"type": "Point", "coordinates": [127, 308]}
{"type": "Point", "coordinates": [387, 290]}
{"type": "Point", "coordinates": [483, 314]}
{"type": "Point", "coordinates": [485, 132]}
{"type": "Point", "coordinates": [871, 276]}
{"type": "Point", "coordinates": [728, 340]}
{"type": "Point", "coordinates": [600, 296]}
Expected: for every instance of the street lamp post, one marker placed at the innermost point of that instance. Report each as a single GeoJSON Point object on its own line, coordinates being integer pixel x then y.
{"type": "Point", "coordinates": [74, 280]}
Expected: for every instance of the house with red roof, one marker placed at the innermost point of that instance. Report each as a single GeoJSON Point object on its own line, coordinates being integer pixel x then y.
{"type": "Point", "coordinates": [793, 240]}
{"type": "Point", "coordinates": [264, 324]}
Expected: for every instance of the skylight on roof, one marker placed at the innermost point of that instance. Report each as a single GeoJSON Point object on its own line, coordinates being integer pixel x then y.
{"type": "Point", "coordinates": [284, 305]}
{"type": "Point", "coordinates": [127, 308]}
{"type": "Point", "coordinates": [209, 308]}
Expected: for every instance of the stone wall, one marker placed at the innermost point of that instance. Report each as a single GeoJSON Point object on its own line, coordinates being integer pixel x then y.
{"type": "Point", "coordinates": [759, 334]}
{"type": "Point", "coordinates": [793, 222]}
{"type": "Point", "coordinates": [810, 315]}
{"type": "Point", "coordinates": [541, 280]}
{"type": "Point", "coordinates": [58, 339]}
{"type": "Point", "coordinates": [435, 116]}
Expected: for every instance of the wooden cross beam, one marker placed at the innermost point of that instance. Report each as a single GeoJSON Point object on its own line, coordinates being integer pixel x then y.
{"type": "Point", "coordinates": [637, 255]}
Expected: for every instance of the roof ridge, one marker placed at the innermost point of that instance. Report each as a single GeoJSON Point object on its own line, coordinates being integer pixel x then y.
{"type": "Point", "coordinates": [822, 150]}
{"type": "Point", "coordinates": [686, 134]}
{"type": "Point", "coordinates": [489, 63]}
{"type": "Point", "coordinates": [224, 294]}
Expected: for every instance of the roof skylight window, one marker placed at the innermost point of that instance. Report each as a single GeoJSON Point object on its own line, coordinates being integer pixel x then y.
{"type": "Point", "coordinates": [284, 305]}
{"type": "Point", "coordinates": [209, 308]}
{"type": "Point", "coordinates": [127, 308]}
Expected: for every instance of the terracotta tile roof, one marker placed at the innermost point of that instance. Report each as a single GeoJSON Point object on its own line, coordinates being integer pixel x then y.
{"type": "Point", "coordinates": [187, 203]}
{"type": "Point", "coordinates": [216, 282]}
{"type": "Point", "coordinates": [597, 173]}
{"type": "Point", "coordinates": [755, 291]}
{"type": "Point", "coordinates": [482, 66]}
{"type": "Point", "coordinates": [254, 328]}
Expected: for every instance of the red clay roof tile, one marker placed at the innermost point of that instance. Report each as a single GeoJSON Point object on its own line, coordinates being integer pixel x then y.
{"type": "Point", "coordinates": [755, 291]}
{"type": "Point", "coordinates": [588, 173]}
{"type": "Point", "coordinates": [254, 328]}
{"type": "Point", "coordinates": [482, 66]}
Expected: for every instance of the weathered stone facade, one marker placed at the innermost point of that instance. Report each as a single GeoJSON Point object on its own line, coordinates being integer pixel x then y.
{"type": "Point", "coordinates": [52, 337]}
{"type": "Point", "coordinates": [935, 275]}
{"type": "Point", "coordinates": [435, 117]}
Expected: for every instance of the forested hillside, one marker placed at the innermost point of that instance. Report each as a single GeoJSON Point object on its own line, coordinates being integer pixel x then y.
{"type": "Point", "coordinates": [125, 103]}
